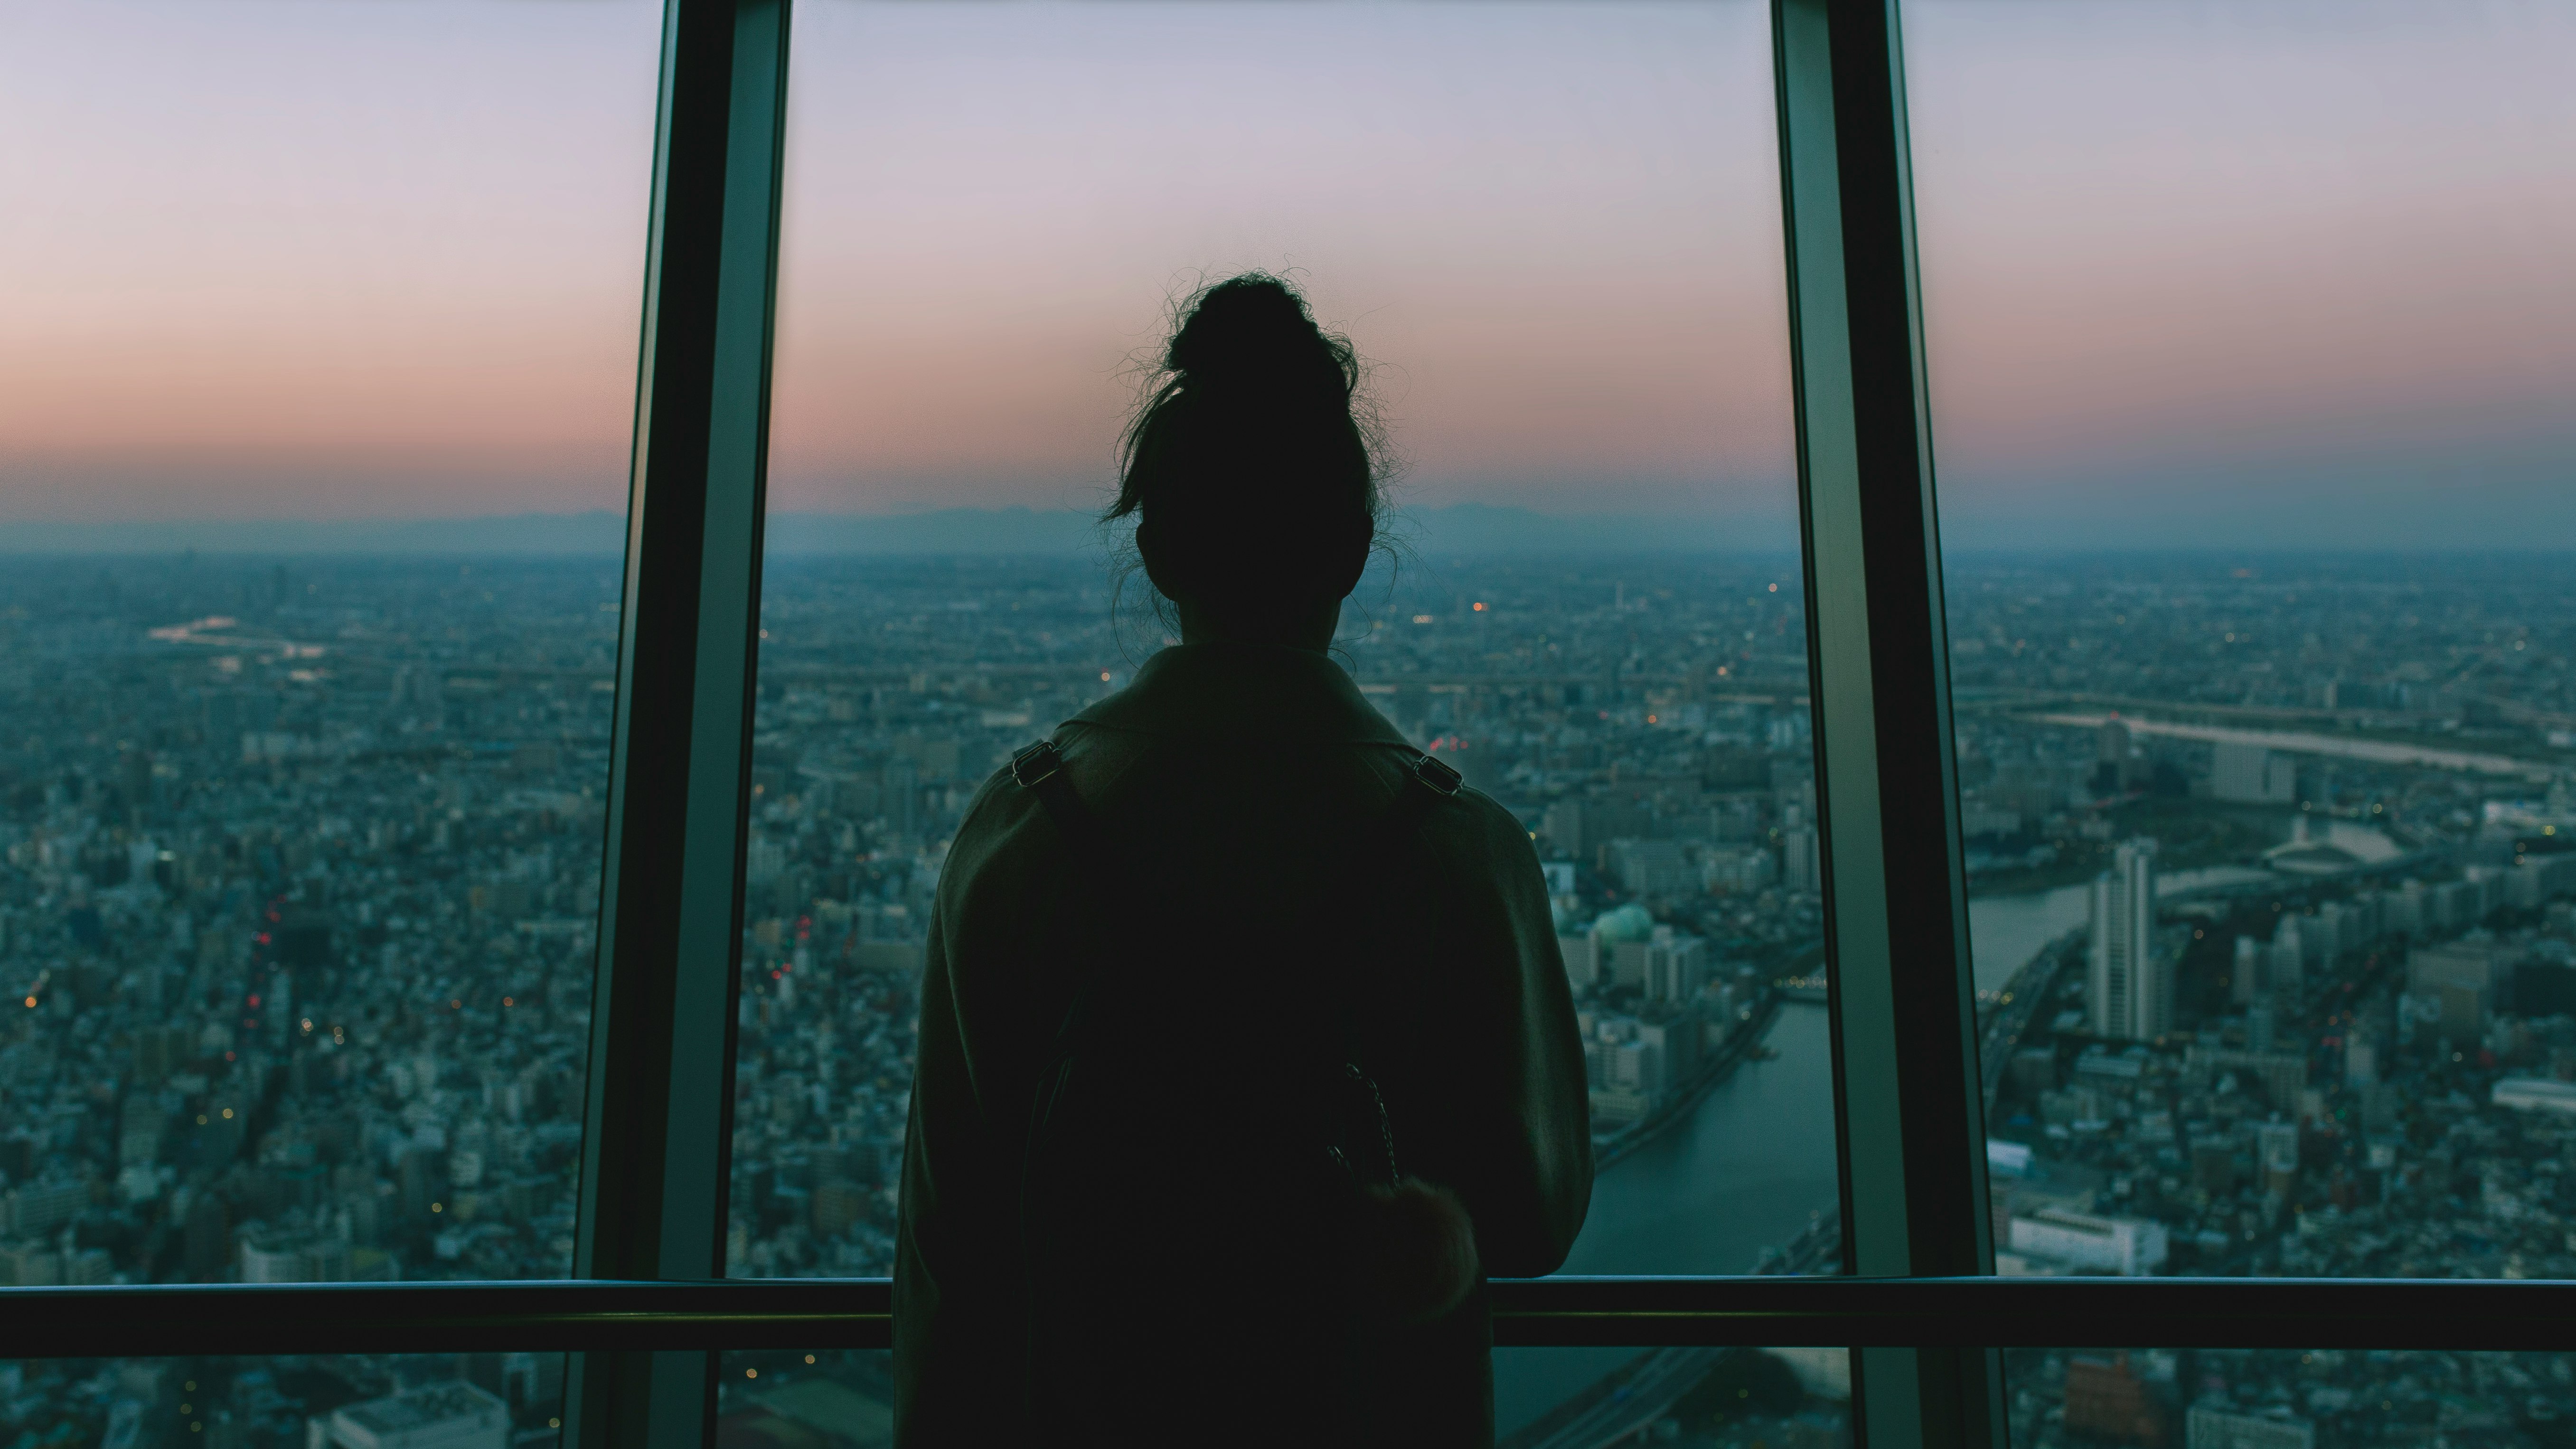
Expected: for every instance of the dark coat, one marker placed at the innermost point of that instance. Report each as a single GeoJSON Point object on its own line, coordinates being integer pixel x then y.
{"type": "Point", "coordinates": [1239, 778]}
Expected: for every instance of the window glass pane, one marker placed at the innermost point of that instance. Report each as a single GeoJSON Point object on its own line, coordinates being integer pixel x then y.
{"type": "Point", "coordinates": [319, 373]}
{"type": "Point", "coordinates": [2251, 342]}
{"type": "Point", "coordinates": [1554, 231]}
{"type": "Point", "coordinates": [479, 1399]}
{"type": "Point", "coordinates": [1556, 1398]}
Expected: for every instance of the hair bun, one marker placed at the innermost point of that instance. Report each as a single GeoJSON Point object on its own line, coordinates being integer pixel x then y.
{"type": "Point", "coordinates": [1253, 331]}
{"type": "Point", "coordinates": [1247, 471]}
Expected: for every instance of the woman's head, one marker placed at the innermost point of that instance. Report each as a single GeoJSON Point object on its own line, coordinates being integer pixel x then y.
{"type": "Point", "coordinates": [1251, 481]}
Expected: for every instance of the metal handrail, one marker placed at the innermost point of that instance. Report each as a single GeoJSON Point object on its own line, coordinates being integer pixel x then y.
{"type": "Point", "coordinates": [566, 1315]}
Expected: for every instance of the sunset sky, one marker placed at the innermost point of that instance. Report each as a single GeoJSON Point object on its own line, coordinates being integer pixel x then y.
{"type": "Point", "coordinates": [2287, 272]}
{"type": "Point", "coordinates": [2248, 272]}
{"type": "Point", "coordinates": [1555, 228]}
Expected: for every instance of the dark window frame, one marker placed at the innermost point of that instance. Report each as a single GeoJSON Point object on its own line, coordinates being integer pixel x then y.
{"type": "Point", "coordinates": [648, 1309]}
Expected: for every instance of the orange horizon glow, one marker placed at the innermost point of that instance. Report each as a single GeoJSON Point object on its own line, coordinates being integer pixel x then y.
{"type": "Point", "coordinates": [273, 260]}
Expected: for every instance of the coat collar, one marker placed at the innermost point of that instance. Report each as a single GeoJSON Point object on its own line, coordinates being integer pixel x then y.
{"type": "Point", "coordinates": [1267, 689]}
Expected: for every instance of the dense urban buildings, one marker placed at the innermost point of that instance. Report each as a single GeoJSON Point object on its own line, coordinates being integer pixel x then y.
{"type": "Point", "coordinates": [2157, 1398]}
{"type": "Point", "coordinates": [302, 869]}
{"type": "Point", "coordinates": [305, 1401]}
{"type": "Point", "coordinates": [301, 888]}
{"type": "Point", "coordinates": [2368, 965]}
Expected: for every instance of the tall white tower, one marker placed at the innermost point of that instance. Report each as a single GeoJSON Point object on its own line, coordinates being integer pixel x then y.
{"type": "Point", "coordinates": [2129, 989]}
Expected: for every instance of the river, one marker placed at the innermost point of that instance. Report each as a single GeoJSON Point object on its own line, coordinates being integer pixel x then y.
{"type": "Point", "coordinates": [2301, 742]}
{"type": "Point", "coordinates": [1754, 1161]}
{"type": "Point", "coordinates": [2004, 932]}
{"type": "Point", "coordinates": [1756, 1158]}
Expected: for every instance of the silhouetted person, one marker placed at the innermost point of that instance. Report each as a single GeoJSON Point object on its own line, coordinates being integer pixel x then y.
{"type": "Point", "coordinates": [1144, 1196]}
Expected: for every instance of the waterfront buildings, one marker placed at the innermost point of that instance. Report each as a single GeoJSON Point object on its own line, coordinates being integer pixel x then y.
{"type": "Point", "coordinates": [1677, 968]}
{"type": "Point", "coordinates": [1635, 1062]}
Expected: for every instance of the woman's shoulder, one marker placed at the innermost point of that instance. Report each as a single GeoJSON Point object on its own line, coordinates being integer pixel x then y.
{"type": "Point", "coordinates": [997, 816]}
{"type": "Point", "coordinates": [1004, 828]}
{"type": "Point", "coordinates": [1477, 841]}
{"type": "Point", "coordinates": [1491, 824]}
{"type": "Point", "coordinates": [1484, 837]}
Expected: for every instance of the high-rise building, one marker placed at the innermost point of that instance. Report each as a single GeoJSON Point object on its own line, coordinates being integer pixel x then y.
{"type": "Point", "coordinates": [2252, 774]}
{"type": "Point", "coordinates": [2276, 1155]}
{"type": "Point", "coordinates": [2289, 965]}
{"type": "Point", "coordinates": [1672, 1043]}
{"type": "Point", "coordinates": [900, 784]}
{"type": "Point", "coordinates": [1677, 966]}
{"type": "Point", "coordinates": [2328, 935]}
{"type": "Point", "coordinates": [1801, 866]}
{"type": "Point", "coordinates": [2129, 988]}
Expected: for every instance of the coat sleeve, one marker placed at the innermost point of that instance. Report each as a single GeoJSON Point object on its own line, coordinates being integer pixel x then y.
{"type": "Point", "coordinates": [1496, 1091]}
{"type": "Point", "coordinates": [955, 1300]}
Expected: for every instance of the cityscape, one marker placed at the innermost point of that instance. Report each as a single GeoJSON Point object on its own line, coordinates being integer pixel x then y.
{"type": "Point", "coordinates": [2314, 1017]}
{"type": "Point", "coordinates": [2272, 909]}
{"type": "Point", "coordinates": [2285, 1398]}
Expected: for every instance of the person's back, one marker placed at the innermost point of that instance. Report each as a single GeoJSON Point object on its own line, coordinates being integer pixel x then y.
{"type": "Point", "coordinates": [1246, 890]}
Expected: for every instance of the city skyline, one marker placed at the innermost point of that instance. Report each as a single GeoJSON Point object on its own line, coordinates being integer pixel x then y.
{"type": "Point", "coordinates": [1461, 529]}
{"type": "Point", "coordinates": [316, 844]}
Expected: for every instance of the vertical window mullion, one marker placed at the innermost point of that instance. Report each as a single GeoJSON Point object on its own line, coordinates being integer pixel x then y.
{"type": "Point", "coordinates": [658, 1114]}
{"type": "Point", "coordinates": [1896, 901]}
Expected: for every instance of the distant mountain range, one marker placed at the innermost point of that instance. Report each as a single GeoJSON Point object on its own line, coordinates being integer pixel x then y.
{"type": "Point", "coordinates": [1464, 528]}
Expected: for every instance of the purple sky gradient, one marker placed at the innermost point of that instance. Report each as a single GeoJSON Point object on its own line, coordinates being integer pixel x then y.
{"type": "Point", "coordinates": [1553, 227]}
{"type": "Point", "coordinates": [284, 258]}
{"type": "Point", "coordinates": [2277, 271]}
{"type": "Point", "coordinates": [2259, 271]}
